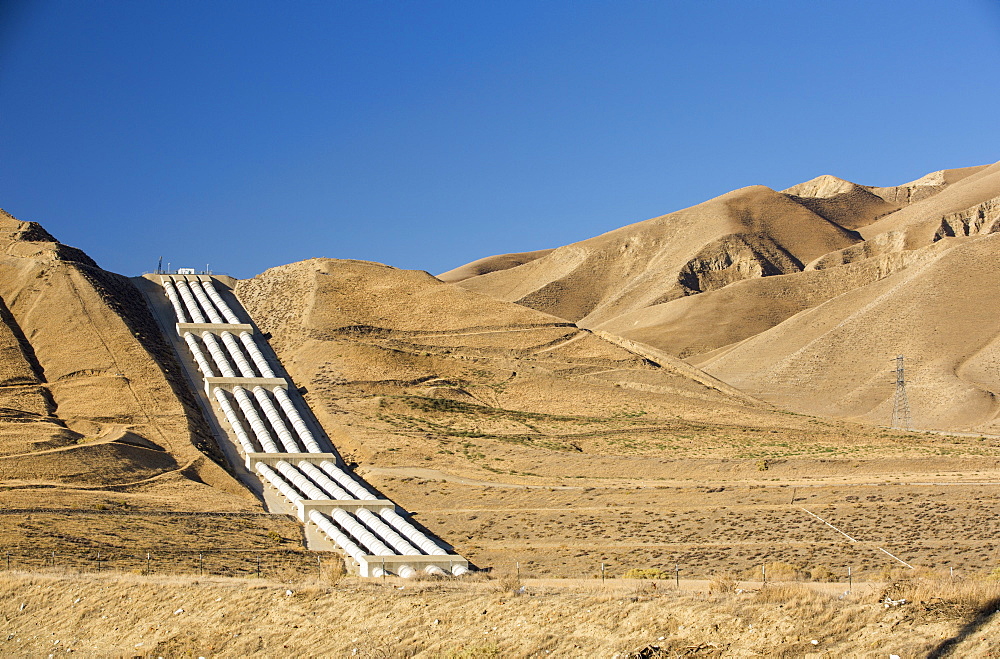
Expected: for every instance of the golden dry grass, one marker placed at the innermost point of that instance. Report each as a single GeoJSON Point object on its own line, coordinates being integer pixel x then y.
{"type": "Point", "coordinates": [131, 615]}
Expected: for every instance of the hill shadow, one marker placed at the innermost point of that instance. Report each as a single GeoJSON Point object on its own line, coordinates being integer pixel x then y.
{"type": "Point", "coordinates": [983, 615]}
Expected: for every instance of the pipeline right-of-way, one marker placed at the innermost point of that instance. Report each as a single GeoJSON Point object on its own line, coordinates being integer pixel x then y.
{"type": "Point", "coordinates": [256, 401]}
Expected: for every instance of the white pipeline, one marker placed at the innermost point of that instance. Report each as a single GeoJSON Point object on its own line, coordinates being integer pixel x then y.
{"type": "Point", "coordinates": [298, 423]}
{"type": "Point", "coordinates": [345, 480]}
{"type": "Point", "coordinates": [237, 354]}
{"type": "Point", "coordinates": [220, 304]}
{"type": "Point", "coordinates": [338, 536]}
{"type": "Point", "coordinates": [171, 291]}
{"type": "Point", "coordinates": [219, 355]}
{"type": "Point", "coordinates": [256, 423]}
{"type": "Point", "coordinates": [234, 421]}
{"type": "Point", "coordinates": [277, 423]}
{"type": "Point", "coordinates": [325, 482]}
{"type": "Point", "coordinates": [256, 355]}
{"type": "Point", "coordinates": [278, 482]}
{"type": "Point", "coordinates": [206, 304]}
{"type": "Point", "coordinates": [199, 355]}
{"type": "Point", "coordinates": [189, 303]}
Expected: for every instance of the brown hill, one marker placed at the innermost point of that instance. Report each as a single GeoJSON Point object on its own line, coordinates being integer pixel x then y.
{"type": "Point", "coordinates": [90, 395]}
{"type": "Point", "coordinates": [752, 232]}
{"type": "Point", "coordinates": [746, 324]}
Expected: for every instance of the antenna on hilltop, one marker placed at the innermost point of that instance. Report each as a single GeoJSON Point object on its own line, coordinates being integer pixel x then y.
{"type": "Point", "coordinates": [900, 404]}
{"type": "Point", "coordinates": [159, 267]}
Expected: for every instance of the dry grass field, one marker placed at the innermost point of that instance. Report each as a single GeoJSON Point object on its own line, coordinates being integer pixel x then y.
{"type": "Point", "coordinates": [53, 614]}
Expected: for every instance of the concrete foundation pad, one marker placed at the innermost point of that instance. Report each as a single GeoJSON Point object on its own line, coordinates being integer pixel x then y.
{"type": "Point", "coordinates": [327, 506]}
{"type": "Point", "coordinates": [201, 329]}
{"type": "Point", "coordinates": [228, 384]}
{"type": "Point", "coordinates": [271, 459]}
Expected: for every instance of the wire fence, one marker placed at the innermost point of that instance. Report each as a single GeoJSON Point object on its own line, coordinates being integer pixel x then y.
{"type": "Point", "coordinates": [280, 564]}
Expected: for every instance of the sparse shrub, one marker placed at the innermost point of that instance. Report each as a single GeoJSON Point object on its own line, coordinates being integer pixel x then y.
{"type": "Point", "coordinates": [645, 573]}
{"type": "Point", "coordinates": [485, 651]}
{"type": "Point", "coordinates": [722, 583]}
{"type": "Point", "coordinates": [275, 537]}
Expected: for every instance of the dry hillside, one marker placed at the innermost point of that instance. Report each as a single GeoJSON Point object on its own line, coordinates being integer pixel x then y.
{"type": "Point", "coordinates": [95, 416]}
{"type": "Point", "coordinates": [517, 436]}
{"type": "Point", "coordinates": [863, 273]}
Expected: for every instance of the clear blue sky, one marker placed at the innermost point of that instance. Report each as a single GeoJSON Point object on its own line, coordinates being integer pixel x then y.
{"type": "Point", "coordinates": [427, 134]}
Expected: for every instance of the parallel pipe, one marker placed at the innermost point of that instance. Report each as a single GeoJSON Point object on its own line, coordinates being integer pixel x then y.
{"type": "Point", "coordinates": [256, 355]}
{"type": "Point", "coordinates": [256, 423]}
{"type": "Point", "coordinates": [199, 355]}
{"type": "Point", "coordinates": [237, 354]}
{"type": "Point", "coordinates": [171, 291]}
{"type": "Point", "coordinates": [189, 303]}
{"type": "Point", "coordinates": [345, 542]}
{"type": "Point", "coordinates": [219, 355]}
{"type": "Point", "coordinates": [278, 482]}
{"type": "Point", "coordinates": [234, 421]}
{"type": "Point", "coordinates": [325, 482]}
{"type": "Point", "coordinates": [299, 480]}
{"type": "Point", "coordinates": [220, 304]}
{"type": "Point", "coordinates": [345, 480]}
{"type": "Point", "coordinates": [412, 533]}
{"type": "Point", "coordinates": [277, 423]}
{"type": "Point", "coordinates": [206, 304]}
{"type": "Point", "coordinates": [298, 423]}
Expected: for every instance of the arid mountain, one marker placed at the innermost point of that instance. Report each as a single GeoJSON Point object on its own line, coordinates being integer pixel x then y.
{"type": "Point", "coordinates": [90, 395]}
{"type": "Point", "coordinates": [745, 287]}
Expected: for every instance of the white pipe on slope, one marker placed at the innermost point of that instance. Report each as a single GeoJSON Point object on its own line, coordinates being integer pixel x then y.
{"type": "Point", "coordinates": [171, 292]}
{"type": "Point", "coordinates": [189, 302]}
{"type": "Point", "coordinates": [206, 304]}
{"type": "Point", "coordinates": [345, 480]}
{"type": "Point", "coordinates": [234, 421]}
{"type": "Point", "coordinates": [219, 355]}
{"type": "Point", "coordinates": [278, 482]}
{"type": "Point", "coordinates": [277, 423]}
{"type": "Point", "coordinates": [237, 354]}
{"type": "Point", "coordinates": [342, 517]}
{"type": "Point", "coordinates": [298, 423]}
{"type": "Point", "coordinates": [256, 423]}
{"type": "Point", "coordinates": [331, 489]}
{"type": "Point", "coordinates": [338, 536]}
{"type": "Point", "coordinates": [199, 355]}
{"type": "Point", "coordinates": [220, 304]}
{"type": "Point", "coordinates": [256, 355]}
{"type": "Point", "coordinates": [412, 533]}
{"type": "Point", "coordinates": [324, 481]}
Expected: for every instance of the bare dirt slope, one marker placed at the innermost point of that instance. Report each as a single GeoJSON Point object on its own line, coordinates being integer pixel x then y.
{"type": "Point", "coordinates": [815, 336]}
{"type": "Point", "coordinates": [91, 399]}
{"type": "Point", "coordinates": [518, 437]}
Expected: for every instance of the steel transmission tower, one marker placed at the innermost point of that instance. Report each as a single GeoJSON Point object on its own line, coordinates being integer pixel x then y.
{"type": "Point", "coordinates": [900, 405]}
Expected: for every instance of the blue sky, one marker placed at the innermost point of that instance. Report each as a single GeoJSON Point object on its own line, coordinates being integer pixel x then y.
{"type": "Point", "coordinates": [429, 134]}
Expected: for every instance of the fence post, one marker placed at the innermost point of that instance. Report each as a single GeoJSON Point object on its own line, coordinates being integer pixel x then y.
{"type": "Point", "coordinates": [258, 566]}
{"type": "Point", "coordinates": [850, 580]}
{"type": "Point", "coordinates": [201, 563]}
{"type": "Point", "coordinates": [147, 562]}
{"type": "Point", "coordinates": [602, 572]}
{"type": "Point", "coordinates": [8, 561]}
{"type": "Point", "coordinates": [763, 571]}
{"type": "Point", "coordinates": [319, 568]}
{"type": "Point", "coordinates": [98, 561]}
{"type": "Point", "coordinates": [677, 576]}
{"type": "Point", "coordinates": [53, 559]}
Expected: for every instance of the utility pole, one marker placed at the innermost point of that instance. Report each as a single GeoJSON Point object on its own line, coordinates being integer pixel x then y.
{"type": "Point", "coordinates": [900, 404]}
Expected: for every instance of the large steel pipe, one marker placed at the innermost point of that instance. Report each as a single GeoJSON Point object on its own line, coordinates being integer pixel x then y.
{"type": "Point", "coordinates": [412, 533]}
{"type": "Point", "coordinates": [237, 354]}
{"type": "Point", "coordinates": [298, 423]}
{"type": "Point", "coordinates": [219, 355]}
{"type": "Point", "coordinates": [220, 304]}
{"type": "Point", "coordinates": [278, 482]}
{"type": "Point", "coordinates": [256, 423]}
{"type": "Point", "coordinates": [277, 423]}
{"type": "Point", "coordinates": [171, 291]}
{"type": "Point", "coordinates": [256, 355]}
{"type": "Point", "coordinates": [299, 480]}
{"type": "Point", "coordinates": [338, 536]}
{"type": "Point", "coordinates": [206, 304]}
{"type": "Point", "coordinates": [325, 482]}
{"type": "Point", "coordinates": [345, 480]}
{"type": "Point", "coordinates": [371, 520]}
{"type": "Point", "coordinates": [234, 421]}
{"type": "Point", "coordinates": [189, 302]}
{"type": "Point", "coordinates": [199, 355]}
